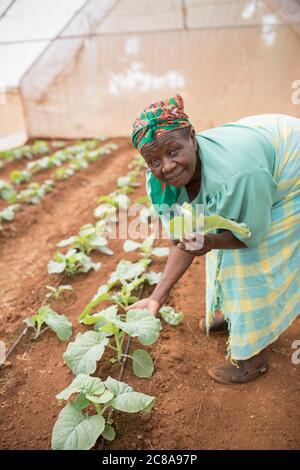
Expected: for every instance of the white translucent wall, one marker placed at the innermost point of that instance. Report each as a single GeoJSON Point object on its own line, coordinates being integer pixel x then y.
{"type": "Point", "coordinates": [27, 27]}
{"type": "Point", "coordinates": [227, 58]}
{"type": "Point", "coordinates": [12, 124]}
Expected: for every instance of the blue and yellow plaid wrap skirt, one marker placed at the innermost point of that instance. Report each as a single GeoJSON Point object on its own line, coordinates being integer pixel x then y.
{"type": "Point", "coordinates": [258, 289]}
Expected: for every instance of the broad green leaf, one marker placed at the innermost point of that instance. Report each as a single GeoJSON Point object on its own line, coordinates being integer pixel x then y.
{"type": "Point", "coordinates": [109, 433]}
{"type": "Point", "coordinates": [212, 222]}
{"type": "Point", "coordinates": [83, 384]}
{"type": "Point", "coordinates": [106, 211]}
{"type": "Point", "coordinates": [29, 322]}
{"type": "Point", "coordinates": [126, 270]}
{"type": "Point", "coordinates": [108, 314]}
{"type": "Point", "coordinates": [60, 324]}
{"type": "Point", "coordinates": [117, 387]}
{"type": "Point", "coordinates": [81, 401]}
{"type": "Point", "coordinates": [105, 250]}
{"type": "Point", "coordinates": [132, 402]}
{"type": "Point", "coordinates": [82, 354]}
{"type": "Point", "coordinates": [141, 324]}
{"type": "Point", "coordinates": [161, 251]}
{"type": "Point", "coordinates": [56, 267]}
{"type": "Point", "coordinates": [76, 431]}
{"type": "Point", "coordinates": [67, 241]}
{"type": "Point", "coordinates": [8, 213]}
{"type": "Point", "coordinates": [142, 364]}
{"type": "Point", "coordinates": [130, 245]}
{"type": "Point", "coordinates": [170, 316]}
{"type": "Point", "coordinates": [153, 277]}
{"type": "Point", "coordinates": [106, 199]}
{"type": "Point", "coordinates": [147, 245]}
{"type": "Point", "coordinates": [104, 398]}
{"type": "Point", "coordinates": [102, 294]}
{"type": "Point", "coordinates": [122, 201]}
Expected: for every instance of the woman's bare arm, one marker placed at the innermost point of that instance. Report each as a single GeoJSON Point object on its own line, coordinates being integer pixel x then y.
{"type": "Point", "coordinates": [227, 241]}
{"type": "Point", "coordinates": [177, 264]}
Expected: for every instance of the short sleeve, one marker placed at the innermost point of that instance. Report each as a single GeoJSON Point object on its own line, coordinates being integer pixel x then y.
{"type": "Point", "coordinates": [246, 197]}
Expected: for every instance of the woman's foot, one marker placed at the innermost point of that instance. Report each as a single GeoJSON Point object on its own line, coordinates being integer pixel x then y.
{"type": "Point", "coordinates": [244, 372]}
{"type": "Point", "coordinates": [218, 326]}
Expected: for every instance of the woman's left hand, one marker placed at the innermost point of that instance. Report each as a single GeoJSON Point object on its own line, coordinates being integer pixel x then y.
{"type": "Point", "coordinates": [197, 244]}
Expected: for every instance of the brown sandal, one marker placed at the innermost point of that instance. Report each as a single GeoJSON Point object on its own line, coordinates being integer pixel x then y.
{"type": "Point", "coordinates": [229, 374]}
{"type": "Point", "coordinates": [219, 326]}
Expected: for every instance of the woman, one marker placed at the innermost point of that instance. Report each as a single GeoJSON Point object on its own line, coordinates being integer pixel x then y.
{"type": "Point", "coordinates": [247, 171]}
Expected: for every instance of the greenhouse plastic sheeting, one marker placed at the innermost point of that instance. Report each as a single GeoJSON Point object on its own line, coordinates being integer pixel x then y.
{"type": "Point", "coordinates": [228, 59]}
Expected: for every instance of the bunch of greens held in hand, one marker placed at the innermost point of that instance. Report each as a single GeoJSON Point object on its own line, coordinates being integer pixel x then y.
{"type": "Point", "coordinates": [112, 324]}
{"type": "Point", "coordinates": [190, 222]}
{"type": "Point", "coordinates": [85, 418]}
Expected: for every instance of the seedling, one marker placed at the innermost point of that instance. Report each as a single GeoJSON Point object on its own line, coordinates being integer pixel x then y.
{"type": "Point", "coordinates": [147, 212]}
{"type": "Point", "coordinates": [146, 248]}
{"type": "Point", "coordinates": [35, 192]}
{"type": "Point", "coordinates": [76, 429]}
{"type": "Point", "coordinates": [109, 205]}
{"type": "Point", "coordinates": [107, 322]}
{"type": "Point", "coordinates": [56, 292]}
{"type": "Point", "coordinates": [87, 240]}
{"type": "Point", "coordinates": [126, 271]}
{"type": "Point", "coordinates": [130, 180]}
{"type": "Point", "coordinates": [72, 262]}
{"type": "Point", "coordinates": [7, 192]}
{"type": "Point", "coordinates": [60, 324]}
{"type": "Point", "coordinates": [170, 316]}
{"type": "Point", "coordinates": [8, 214]}
{"type": "Point", "coordinates": [18, 177]}
{"type": "Point", "coordinates": [63, 173]}
{"type": "Point", "coordinates": [111, 330]}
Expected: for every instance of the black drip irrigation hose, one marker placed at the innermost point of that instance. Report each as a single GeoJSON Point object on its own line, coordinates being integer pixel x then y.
{"type": "Point", "coordinates": [24, 332]}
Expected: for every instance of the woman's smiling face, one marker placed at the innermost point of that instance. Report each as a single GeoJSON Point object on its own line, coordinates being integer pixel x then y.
{"type": "Point", "coordinates": [172, 157]}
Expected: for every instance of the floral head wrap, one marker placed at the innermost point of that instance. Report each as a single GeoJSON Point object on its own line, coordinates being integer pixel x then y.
{"type": "Point", "coordinates": [159, 118]}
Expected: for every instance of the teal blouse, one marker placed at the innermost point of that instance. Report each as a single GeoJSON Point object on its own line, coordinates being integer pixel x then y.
{"type": "Point", "coordinates": [237, 165]}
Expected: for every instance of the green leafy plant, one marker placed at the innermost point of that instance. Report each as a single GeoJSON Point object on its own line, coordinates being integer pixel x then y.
{"type": "Point", "coordinates": [8, 214]}
{"type": "Point", "coordinates": [147, 212]}
{"type": "Point", "coordinates": [109, 205]}
{"type": "Point", "coordinates": [60, 324]}
{"type": "Point", "coordinates": [127, 274]}
{"type": "Point", "coordinates": [72, 262]}
{"type": "Point", "coordinates": [18, 177]}
{"type": "Point", "coordinates": [7, 192]}
{"type": "Point", "coordinates": [82, 355]}
{"type": "Point", "coordinates": [87, 240]}
{"type": "Point", "coordinates": [55, 293]}
{"type": "Point", "coordinates": [138, 163]}
{"type": "Point", "coordinates": [110, 323]}
{"type": "Point", "coordinates": [35, 192]}
{"type": "Point", "coordinates": [170, 316]}
{"type": "Point", "coordinates": [146, 248]}
{"type": "Point", "coordinates": [40, 146]}
{"type": "Point", "coordinates": [76, 429]}
{"type": "Point", "coordinates": [130, 180]}
{"type": "Point", "coordinates": [189, 222]}
{"type": "Point", "coordinates": [63, 173]}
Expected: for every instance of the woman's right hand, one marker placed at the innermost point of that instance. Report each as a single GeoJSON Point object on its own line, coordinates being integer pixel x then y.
{"type": "Point", "coordinates": [150, 304]}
